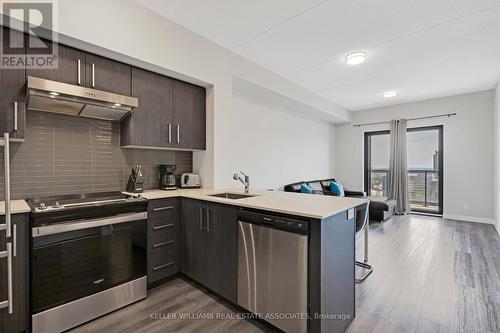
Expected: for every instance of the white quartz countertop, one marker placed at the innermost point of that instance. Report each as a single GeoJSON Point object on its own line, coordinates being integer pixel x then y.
{"type": "Point", "coordinates": [305, 205]}
{"type": "Point", "coordinates": [17, 207]}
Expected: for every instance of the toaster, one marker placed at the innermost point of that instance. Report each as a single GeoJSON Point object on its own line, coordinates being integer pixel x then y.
{"type": "Point", "coordinates": [190, 180]}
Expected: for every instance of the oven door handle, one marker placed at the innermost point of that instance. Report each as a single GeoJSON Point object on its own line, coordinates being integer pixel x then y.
{"type": "Point", "coordinates": [86, 224]}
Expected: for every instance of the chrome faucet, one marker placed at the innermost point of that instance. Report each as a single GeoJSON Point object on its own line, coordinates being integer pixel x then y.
{"type": "Point", "coordinates": [245, 181]}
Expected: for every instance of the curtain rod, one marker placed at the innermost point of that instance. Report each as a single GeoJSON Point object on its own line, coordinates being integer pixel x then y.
{"type": "Point", "coordinates": [417, 118]}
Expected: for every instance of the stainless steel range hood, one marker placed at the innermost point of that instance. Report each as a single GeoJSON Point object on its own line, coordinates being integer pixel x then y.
{"type": "Point", "coordinates": [53, 96]}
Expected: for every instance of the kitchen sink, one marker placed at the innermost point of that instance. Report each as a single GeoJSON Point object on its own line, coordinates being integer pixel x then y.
{"type": "Point", "coordinates": [233, 196]}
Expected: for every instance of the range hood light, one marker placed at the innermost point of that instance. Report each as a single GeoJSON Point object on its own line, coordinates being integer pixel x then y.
{"type": "Point", "coordinates": [117, 105]}
{"type": "Point", "coordinates": [53, 93]}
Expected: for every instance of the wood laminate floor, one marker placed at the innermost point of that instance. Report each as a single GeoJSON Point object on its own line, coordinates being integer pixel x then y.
{"type": "Point", "coordinates": [430, 275]}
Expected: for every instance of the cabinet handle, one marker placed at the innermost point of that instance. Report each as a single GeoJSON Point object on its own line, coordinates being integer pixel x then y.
{"type": "Point", "coordinates": [178, 133]}
{"type": "Point", "coordinates": [159, 209]}
{"type": "Point", "coordinates": [208, 219]}
{"type": "Point", "coordinates": [169, 133]}
{"type": "Point", "coordinates": [201, 218]}
{"type": "Point", "coordinates": [78, 74]}
{"type": "Point", "coordinates": [155, 268]}
{"type": "Point", "coordinates": [14, 239]}
{"type": "Point", "coordinates": [8, 302]}
{"type": "Point", "coordinates": [93, 75]}
{"type": "Point", "coordinates": [15, 117]}
{"type": "Point", "coordinates": [163, 244]}
{"type": "Point", "coordinates": [163, 226]}
{"type": "Point", "coordinates": [9, 275]}
{"type": "Point", "coordinates": [8, 203]}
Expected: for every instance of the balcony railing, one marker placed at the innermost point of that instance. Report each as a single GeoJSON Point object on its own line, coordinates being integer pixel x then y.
{"type": "Point", "coordinates": [423, 187]}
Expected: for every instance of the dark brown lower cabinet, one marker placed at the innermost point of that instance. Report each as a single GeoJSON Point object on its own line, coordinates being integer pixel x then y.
{"type": "Point", "coordinates": [194, 263]}
{"type": "Point", "coordinates": [163, 239]}
{"type": "Point", "coordinates": [222, 250]}
{"type": "Point", "coordinates": [209, 246]}
{"type": "Point", "coordinates": [17, 321]}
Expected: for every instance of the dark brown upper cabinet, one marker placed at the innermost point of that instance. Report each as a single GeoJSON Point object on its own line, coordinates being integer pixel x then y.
{"type": "Point", "coordinates": [151, 123]}
{"type": "Point", "coordinates": [171, 114]}
{"type": "Point", "coordinates": [87, 70]}
{"type": "Point", "coordinates": [106, 74]}
{"type": "Point", "coordinates": [189, 116]}
{"type": "Point", "coordinates": [12, 94]}
{"type": "Point", "coordinates": [70, 67]}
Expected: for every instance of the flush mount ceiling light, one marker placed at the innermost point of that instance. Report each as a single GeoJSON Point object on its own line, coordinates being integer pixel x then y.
{"type": "Point", "coordinates": [355, 58]}
{"type": "Point", "coordinates": [390, 93]}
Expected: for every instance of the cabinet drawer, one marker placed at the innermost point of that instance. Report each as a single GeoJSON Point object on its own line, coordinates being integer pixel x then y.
{"type": "Point", "coordinates": [163, 212]}
{"type": "Point", "coordinates": [163, 262]}
{"type": "Point", "coordinates": [159, 205]}
{"type": "Point", "coordinates": [163, 254]}
{"type": "Point", "coordinates": [162, 219]}
{"type": "Point", "coordinates": [162, 235]}
{"type": "Point", "coordinates": [162, 272]}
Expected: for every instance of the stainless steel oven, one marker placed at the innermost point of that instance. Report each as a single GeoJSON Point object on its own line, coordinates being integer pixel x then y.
{"type": "Point", "coordinates": [82, 269]}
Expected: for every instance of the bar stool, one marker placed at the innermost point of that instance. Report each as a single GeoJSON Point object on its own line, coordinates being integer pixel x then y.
{"type": "Point", "coordinates": [364, 224]}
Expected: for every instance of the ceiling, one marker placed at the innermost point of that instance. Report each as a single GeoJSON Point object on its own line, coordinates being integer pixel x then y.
{"type": "Point", "coordinates": [424, 49]}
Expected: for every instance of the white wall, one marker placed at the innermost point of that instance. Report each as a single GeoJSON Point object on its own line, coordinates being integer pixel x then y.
{"type": "Point", "coordinates": [468, 146]}
{"type": "Point", "coordinates": [274, 145]}
{"type": "Point", "coordinates": [496, 154]}
{"type": "Point", "coordinates": [141, 37]}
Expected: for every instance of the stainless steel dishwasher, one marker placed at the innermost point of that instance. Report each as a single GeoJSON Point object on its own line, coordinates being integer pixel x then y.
{"type": "Point", "coordinates": [272, 269]}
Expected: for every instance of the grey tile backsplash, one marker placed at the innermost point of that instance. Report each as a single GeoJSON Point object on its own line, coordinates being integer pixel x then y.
{"type": "Point", "coordinates": [67, 154]}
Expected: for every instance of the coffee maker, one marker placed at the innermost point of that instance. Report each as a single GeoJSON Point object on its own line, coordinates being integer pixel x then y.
{"type": "Point", "coordinates": [167, 178]}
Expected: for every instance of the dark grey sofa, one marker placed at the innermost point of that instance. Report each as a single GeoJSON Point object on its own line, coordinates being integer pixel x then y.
{"type": "Point", "coordinates": [381, 208]}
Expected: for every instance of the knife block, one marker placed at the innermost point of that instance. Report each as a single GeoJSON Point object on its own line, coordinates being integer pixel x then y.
{"type": "Point", "coordinates": [135, 183]}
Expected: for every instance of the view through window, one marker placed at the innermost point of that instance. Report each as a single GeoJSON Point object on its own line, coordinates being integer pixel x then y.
{"type": "Point", "coordinates": [377, 146]}
{"type": "Point", "coordinates": [424, 148]}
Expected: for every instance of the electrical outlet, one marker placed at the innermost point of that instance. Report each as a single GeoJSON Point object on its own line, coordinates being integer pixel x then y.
{"type": "Point", "coordinates": [466, 206]}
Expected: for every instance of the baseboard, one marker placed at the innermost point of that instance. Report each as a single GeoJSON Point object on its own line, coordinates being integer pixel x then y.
{"type": "Point", "coordinates": [497, 227]}
{"type": "Point", "coordinates": [469, 218]}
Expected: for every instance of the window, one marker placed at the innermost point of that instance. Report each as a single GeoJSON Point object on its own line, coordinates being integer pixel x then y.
{"type": "Point", "coordinates": [425, 172]}
{"type": "Point", "coordinates": [377, 163]}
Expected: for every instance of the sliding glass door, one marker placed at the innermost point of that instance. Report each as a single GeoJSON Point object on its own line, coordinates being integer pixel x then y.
{"type": "Point", "coordinates": [425, 160]}
{"type": "Point", "coordinates": [425, 171]}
